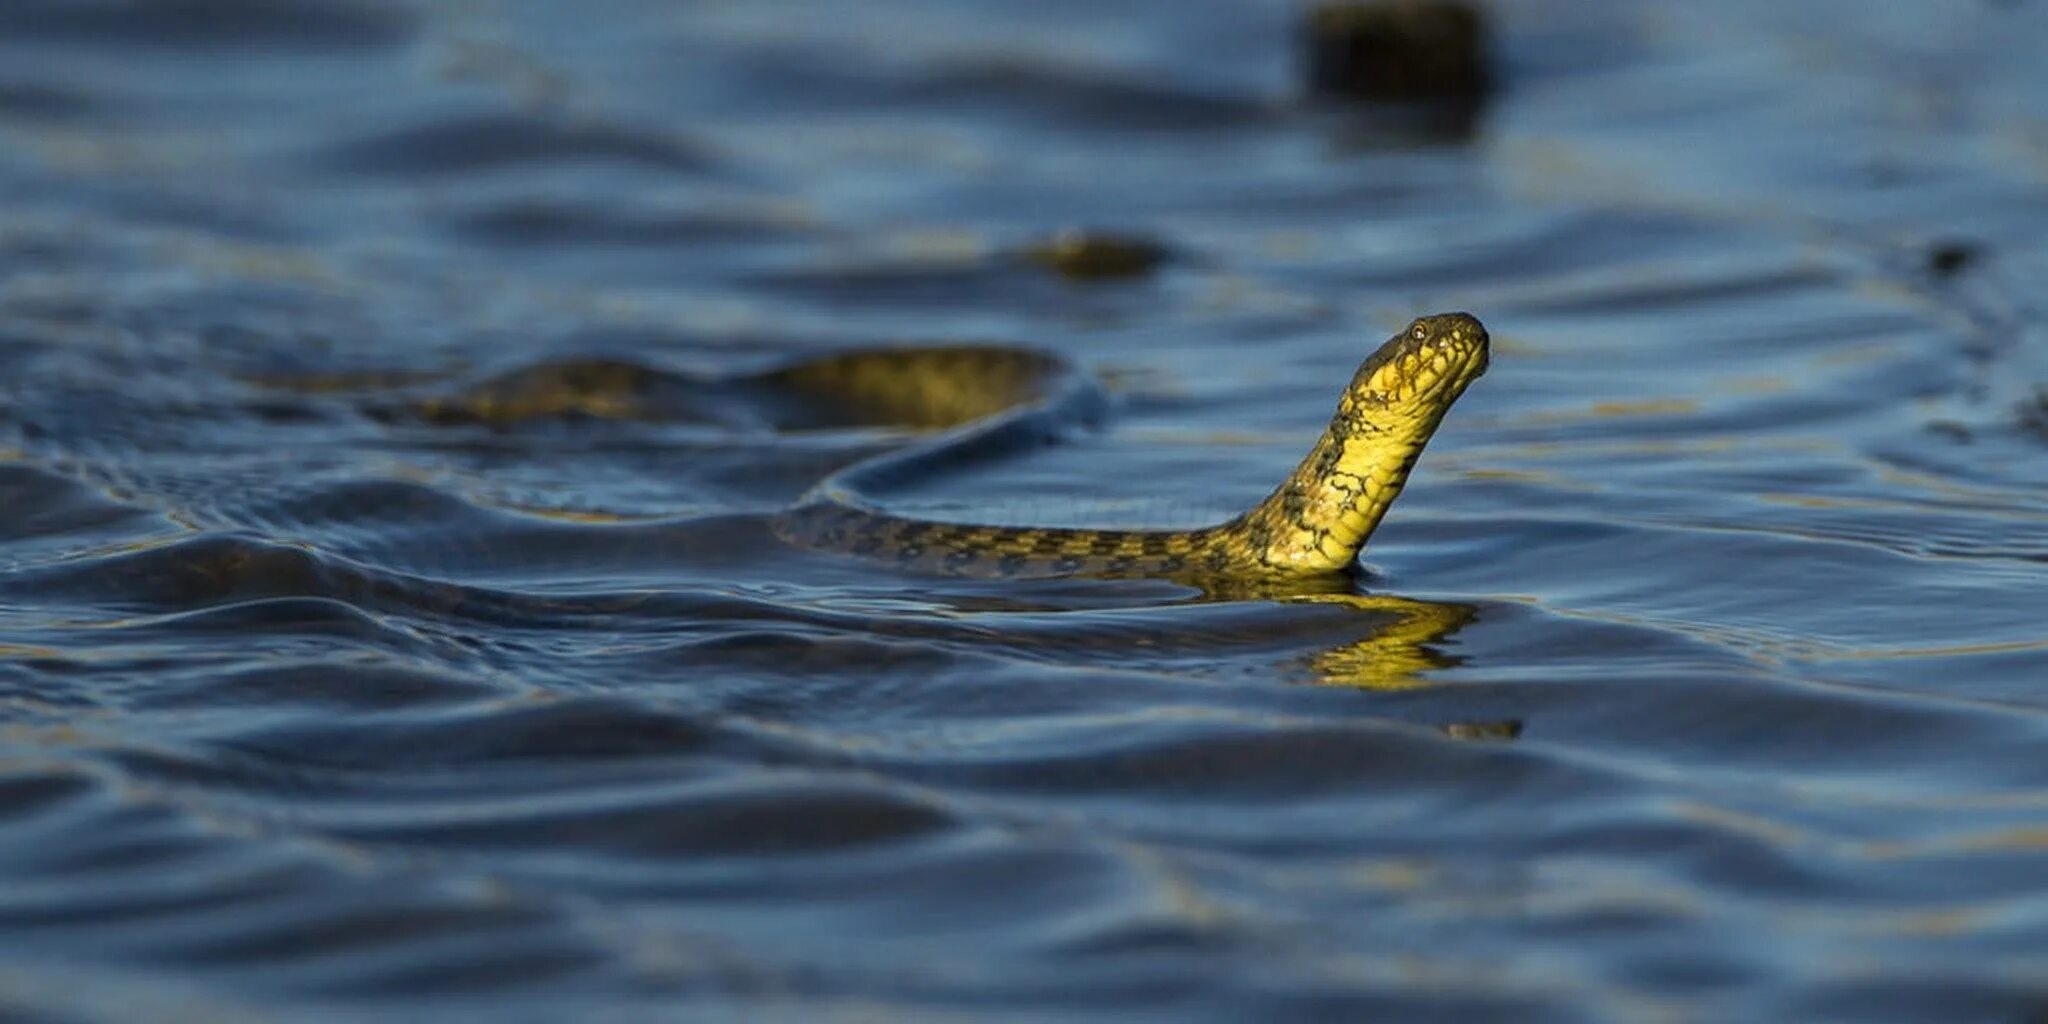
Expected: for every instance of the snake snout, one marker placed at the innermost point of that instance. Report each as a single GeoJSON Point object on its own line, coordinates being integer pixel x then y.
{"type": "Point", "coordinates": [1431, 361]}
{"type": "Point", "coordinates": [1456, 335]}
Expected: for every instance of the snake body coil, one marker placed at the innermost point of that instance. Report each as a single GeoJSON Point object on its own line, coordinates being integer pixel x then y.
{"type": "Point", "coordinates": [1315, 521]}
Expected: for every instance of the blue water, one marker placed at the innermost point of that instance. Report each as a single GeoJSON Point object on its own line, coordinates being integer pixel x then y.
{"type": "Point", "coordinates": [1700, 675]}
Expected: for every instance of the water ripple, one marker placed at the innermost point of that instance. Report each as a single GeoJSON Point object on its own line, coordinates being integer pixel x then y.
{"type": "Point", "coordinates": [395, 397]}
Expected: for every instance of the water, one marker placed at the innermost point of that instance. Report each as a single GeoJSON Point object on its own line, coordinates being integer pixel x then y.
{"type": "Point", "coordinates": [1698, 676]}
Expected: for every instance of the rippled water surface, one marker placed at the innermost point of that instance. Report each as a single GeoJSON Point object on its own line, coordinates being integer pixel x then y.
{"type": "Point", "coordinates": [390, 620]}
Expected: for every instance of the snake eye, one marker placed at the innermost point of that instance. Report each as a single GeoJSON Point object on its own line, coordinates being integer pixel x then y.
{"type": "Point", "coordinates": [1417, 332]}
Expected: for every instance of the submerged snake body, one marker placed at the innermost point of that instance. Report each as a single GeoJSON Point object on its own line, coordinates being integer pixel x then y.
{"type": "Point", "coordinates": [1317, 520]}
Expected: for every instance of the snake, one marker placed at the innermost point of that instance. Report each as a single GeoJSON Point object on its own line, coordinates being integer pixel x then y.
{"type": "Point", "coordinates": [1315, 522]}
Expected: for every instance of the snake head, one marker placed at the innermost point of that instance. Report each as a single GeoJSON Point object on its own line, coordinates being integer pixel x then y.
{"type": "Point", "coordinates": [1323, 512]}
{"type": "Point", "coordinates": [1425, 367]}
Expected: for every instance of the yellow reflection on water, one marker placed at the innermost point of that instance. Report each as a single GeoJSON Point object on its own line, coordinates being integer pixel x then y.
{"type": "Point", "coordinates": [1400, 642]}
{"type": "Point", "coordinates": [1396, 653]}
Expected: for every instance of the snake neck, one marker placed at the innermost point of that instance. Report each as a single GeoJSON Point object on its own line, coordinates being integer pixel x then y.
{"type": "Point", "coordinates": [1321, 515]}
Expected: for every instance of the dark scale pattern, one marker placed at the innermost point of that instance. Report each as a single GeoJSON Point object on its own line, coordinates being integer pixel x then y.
{"type": "Point", "coordinates": [1315, 521]}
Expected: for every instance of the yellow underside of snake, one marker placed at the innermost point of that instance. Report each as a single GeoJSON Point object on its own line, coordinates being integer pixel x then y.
{"type": "Point", "coordinates": [1316, 521]}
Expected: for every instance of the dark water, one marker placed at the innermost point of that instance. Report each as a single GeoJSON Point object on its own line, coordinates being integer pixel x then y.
{"type": "Point", "coordinates": [1702, 674]}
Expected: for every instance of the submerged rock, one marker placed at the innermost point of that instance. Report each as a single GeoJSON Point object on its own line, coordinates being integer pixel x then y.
{"type": "Point", "coordinates": [1082, 255]}
{"type": "Point", "coordinates": [578, 388]}
{"type": "Point", "coordinates": [1947, 259]}
{"type": "Point", "coordinates": [1397, 50]}
{"type": "Point", "coordinates": [2034, 411]}
{"type": "Point", "coordinates": [1502, 729]}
